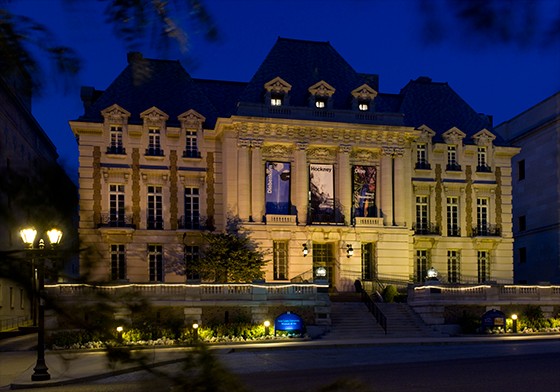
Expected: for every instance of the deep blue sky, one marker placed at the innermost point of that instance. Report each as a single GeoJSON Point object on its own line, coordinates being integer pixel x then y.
{"type": "Point", "coordinates": [378, 36]}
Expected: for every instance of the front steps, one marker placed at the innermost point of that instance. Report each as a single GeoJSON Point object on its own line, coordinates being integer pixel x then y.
{"type": "Point", "coordinates": [351, 320]}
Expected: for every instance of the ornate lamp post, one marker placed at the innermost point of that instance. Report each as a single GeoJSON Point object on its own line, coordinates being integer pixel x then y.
{"type": "Point", "coordinates": [28, 236]}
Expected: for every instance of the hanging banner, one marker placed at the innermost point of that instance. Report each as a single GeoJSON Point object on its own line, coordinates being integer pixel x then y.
{"type": "Point", "coordinates": [277, 188]}
{"type": "Point", "coordinates": [363, 190]}
{"type": "Point", "coordinates": [321, 192]}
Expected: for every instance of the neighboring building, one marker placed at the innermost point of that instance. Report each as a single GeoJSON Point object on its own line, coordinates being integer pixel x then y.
{"type": "Point", "coordinates": [34, 190]}
{"type": "Point", "coordinates": [325, 170]}
{"type": "Point", "coordinates": [536, 191]}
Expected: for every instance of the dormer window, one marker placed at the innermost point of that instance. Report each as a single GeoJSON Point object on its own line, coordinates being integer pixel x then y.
{"type": "Point", "coordinates": [116, 145]}
{"type": "Point", "coordinates": [363, 98]}
{"type": "Point", "coordinates": [321, 95]}
{"type": "Point", "coordinates": [154, 144]}
{"type": "Point", "coordinates": [277, 92]}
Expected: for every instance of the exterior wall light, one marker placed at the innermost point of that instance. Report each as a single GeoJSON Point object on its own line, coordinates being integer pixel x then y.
{"type": "Point", "coordinates": [305, 250]}
{"type": "Point", "coordinates": [349, 251]}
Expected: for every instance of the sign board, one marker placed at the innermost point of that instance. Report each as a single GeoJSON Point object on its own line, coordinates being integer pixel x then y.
{"type": "Point", "coordinates": [289, 322]}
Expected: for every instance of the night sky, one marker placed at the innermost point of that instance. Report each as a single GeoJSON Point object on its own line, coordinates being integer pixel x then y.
{"type": "Point", "coordinates": [385, 37]}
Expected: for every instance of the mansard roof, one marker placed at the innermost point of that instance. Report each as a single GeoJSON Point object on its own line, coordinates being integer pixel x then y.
{"type": "Point", "coordinates": [165, 84]}
{"type": "Point", "coordinates": [145, 83]}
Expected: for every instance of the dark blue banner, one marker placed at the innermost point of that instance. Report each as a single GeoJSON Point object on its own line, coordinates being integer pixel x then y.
{"type": "Point", "coordinates": [277, 188]}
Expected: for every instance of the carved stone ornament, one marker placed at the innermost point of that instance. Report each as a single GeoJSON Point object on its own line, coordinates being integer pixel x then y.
{"type": "Point", "coordinates": [278, 85]}
{"type": "Point", "coordinates": [364, 93]}
{"type": "Point", "coordinates": [276, 151]}
{"type": "Point", "coordinates": [345, 148]}
{"type": "Point", "coordinates": [321, 153]}
{"type": "Point", "coordinates": [322, 89]}
{"type": "Point", "coordinates": [154, 117]}
{"type": "Point", "coordinates": [392, 151]}
{"type": "Point", "coordinates": [192, 120]}
{"type": "Point", "coordinates": [364, 156]}
{"type": "Point", "coordinates": [484, 138]}
{"type": "Point", "coordinates": [426, 134]}
{"type": "Point", "coordinates": [453, 136]}
{"type": "Point", "coordinates": [244, 143]}
{"type": "Point", "coordinates": [115, 115]}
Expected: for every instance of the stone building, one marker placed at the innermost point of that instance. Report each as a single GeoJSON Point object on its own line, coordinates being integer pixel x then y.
{"type": "Point", "coordinates": [536, 191]}
{"type": "Point", "coordinates": [334, 178]}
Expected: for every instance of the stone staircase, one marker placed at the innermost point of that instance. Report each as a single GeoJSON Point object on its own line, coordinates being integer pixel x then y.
{"type": "Point", "coordinates": [351, 320]}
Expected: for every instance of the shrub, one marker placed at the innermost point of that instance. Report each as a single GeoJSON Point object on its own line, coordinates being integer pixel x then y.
{"type": "Point", "coordinates": [389, 293]}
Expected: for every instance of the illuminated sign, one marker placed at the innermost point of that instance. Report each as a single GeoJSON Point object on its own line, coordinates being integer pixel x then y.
{"type": "Point", "coordinates": [289, 322]}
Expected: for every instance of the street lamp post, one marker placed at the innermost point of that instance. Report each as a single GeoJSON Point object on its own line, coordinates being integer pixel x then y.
{"type": "Point", "coordinates": [40, 371]}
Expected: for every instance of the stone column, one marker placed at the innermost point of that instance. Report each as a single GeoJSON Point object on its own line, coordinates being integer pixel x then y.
{"type": "Point", "coordinates": [257, 182]}
{"type": "Point", "coordinates": [399, 189]}
{"type": "Point", "coordinates": [244, 181]}
{"type": "Point", "coordinates": [387, 188]}
{"type": "Point", "coordinates": [301, 191]}
{"type": "Point", "coordinates": [344, 181]}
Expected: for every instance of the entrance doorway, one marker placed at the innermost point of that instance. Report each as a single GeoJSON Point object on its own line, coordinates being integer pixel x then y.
{"type": "Point", "coordinates": [323, 256]}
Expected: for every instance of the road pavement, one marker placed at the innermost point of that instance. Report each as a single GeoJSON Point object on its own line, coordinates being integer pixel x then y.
{"type": "Point", "coordinates": [17, 356]}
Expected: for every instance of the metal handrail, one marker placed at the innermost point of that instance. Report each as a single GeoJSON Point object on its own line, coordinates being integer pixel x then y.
{"type": "Point", "coordinates": [374, 309]}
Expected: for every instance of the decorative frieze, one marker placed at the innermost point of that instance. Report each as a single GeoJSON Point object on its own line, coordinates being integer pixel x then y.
{"type": "Point", "coordinates": [321, 153]}
{"type": "Point", "coordinates": [277, 151]}
{"type": "Point", "coordinates": [363, 156]}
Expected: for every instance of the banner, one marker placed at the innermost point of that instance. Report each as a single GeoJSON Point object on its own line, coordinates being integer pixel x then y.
{"type": "Point", "coordinates": [363, 190]}
{"type": "Point", "coordinates": [277, 188]}
{"type": "Point", "coordinates": [321, 191]}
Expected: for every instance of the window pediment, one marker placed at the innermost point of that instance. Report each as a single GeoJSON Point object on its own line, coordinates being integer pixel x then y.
{"type": "Point", "coordinates": [364, 93]}
{"type": "Point", "coordinates": [154, 117]}
{"type": "Point", "coordinates": [483, 138]}
{"type": "Point", "coordinates": [322, 89]}
{"type": "Point", "coordinates": [426, 134]}
{"type": "Point", "coordinates": [278, 86]}
{"type": "Point", "coordinates": [115, 115]}
{"type": "Point", "coordinates": [191, 120]}
{"type": "Point", "coordinates": [453, 136]}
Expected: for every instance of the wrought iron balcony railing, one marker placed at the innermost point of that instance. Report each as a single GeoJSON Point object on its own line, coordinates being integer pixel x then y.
{"type": "Point", "coordinates": [484, 169]}
{"type": "Point", "coordinates": [191, 154]}
{"type": "Point", "coordinates": [154, 152]}
{"type": "Point", "coordinates": [423, 165]}
{"type": "Point", "coordinates": [116, 150]}
{"type": "Point", "coordinates": [425, 228]}
{"type": "Point", "coordinates": [453, 166]}
{"type": "Point", "coordinates": [194, 222]}
{"type": "Point", "coordinates": [453, 231]}
{"type": "Point", "coordinates": [486, 230]}
{"type": "Point", "coordinates": [154, 223]}
{"type": "Point", "coordinates": [114, 220]}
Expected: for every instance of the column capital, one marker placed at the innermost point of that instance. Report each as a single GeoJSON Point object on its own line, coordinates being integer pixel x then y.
{"type": "Point", "coordinates": [345, 148]}
{"type": "Point", "coordinates": [392, 151]}
{"type": "Point", "coordinates": [257, 143]}
{"type": "Point", "coordinates": [244, 143]}
{"type": "Point", "coordinates": [302, 146]}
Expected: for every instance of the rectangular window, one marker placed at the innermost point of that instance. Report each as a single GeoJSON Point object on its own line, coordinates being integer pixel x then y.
{"type": "Point", "coordinates": [521, 170]}
{"type": "Point", "coordinates": [191, 262]}
{"type": "Point", "coordinates": [453, 266]}
{"type": "Point", "coordinates": [118, 262]}
{"type": "Point", "coordinates": [482, 215]}
{"type": "Point", "coordinates": [422, 224]}
{"type": "Point", "coordinates": [154, 142]}
{"type": "Point", "coordinates": [422, 261]}
{"type": "Point", "coordinates": [522, 255]}
{"type": "Point", "coordinates": [192, 208]}
{"type": "Point", "coordinates": [453, 216]}
{"type": "Point", "coordinates": [482, 160]}
{"type": "Point", "coordinates": [483, 261]}
{"type": "Point", "coordinates": [191, 147]}
{"type": "Point", "coordinates": [320, 104]}
{"type": "Point", "coordinates": [276, 101]}
{"type": "Point", "coordinates": [116, 205]}
{"type": "Point", "coordinates": [116, 143]}
{"type": "Point", "coordinates": [368, 262]}
{"type": "Point", "coordinates": [363, 106]}
{"type": "Point", "coordinates": [155, 208]}
{"type": "Point", "coordinates": [522, 223]}
{"type": "Point", "coordinates": [280, 259]}
{"type": "Point", "coordinates": [452, 163]}
{"type": "Point", "coordinates": [422, 156]}
{"type": "Point", "coordinates": [155, 262]}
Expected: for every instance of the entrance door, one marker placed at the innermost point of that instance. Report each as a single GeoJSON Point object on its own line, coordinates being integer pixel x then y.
{"type": "Point", "coordinates": [323, 256]}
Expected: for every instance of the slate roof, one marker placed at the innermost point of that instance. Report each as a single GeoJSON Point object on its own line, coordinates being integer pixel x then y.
{"type": "Point", "coordinates": [165, 84]}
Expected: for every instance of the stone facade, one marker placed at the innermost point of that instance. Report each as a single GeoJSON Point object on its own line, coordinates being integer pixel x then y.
{"type": "Point", "coordinates": [370, 192]}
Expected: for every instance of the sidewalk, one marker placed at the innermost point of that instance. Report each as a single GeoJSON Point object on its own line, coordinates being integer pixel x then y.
{"type": "Point", "coordinates": [67, 367]}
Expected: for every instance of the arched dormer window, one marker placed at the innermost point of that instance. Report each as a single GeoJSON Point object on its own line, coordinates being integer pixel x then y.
{"type": "Point", "coordinates": [321, 95]}
{"type": "Point", "coordinates": [191, 124]}
{"type": "Point", "coordinates": [363, 98]}
{"type": "Point", "coordinates": [277, 92]}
